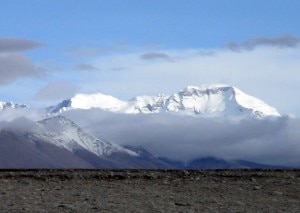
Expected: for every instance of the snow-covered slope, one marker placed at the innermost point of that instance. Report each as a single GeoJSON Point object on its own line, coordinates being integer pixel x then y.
{"type": "Point", "coordinates": [10, 105]}
{"type": "Point", "coordinates": [88, 101]}
{"type": "Point", "coordinates": [63, 133]}
{"type": "Point", "coordinates": [218, 100]}
{"type": "Point", "coordinates": [209, 100]}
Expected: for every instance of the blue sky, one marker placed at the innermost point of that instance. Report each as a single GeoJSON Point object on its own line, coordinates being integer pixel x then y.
{"type": "Point", "coordinates": [50, 49]}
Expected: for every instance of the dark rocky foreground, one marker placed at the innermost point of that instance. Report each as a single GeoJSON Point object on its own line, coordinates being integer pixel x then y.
{"type": "Point", "coordinates": [149, 191]}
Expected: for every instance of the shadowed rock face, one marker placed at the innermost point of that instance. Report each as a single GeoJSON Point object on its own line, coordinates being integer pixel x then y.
{"type": "Point", "coordinates": [22, 150]}
{"type": "Point", "coordinates": [26, 150]}
{"type": "Point", "coordinates": [59, 143]}
{"type": "Point", "coordinates": [216, 163]}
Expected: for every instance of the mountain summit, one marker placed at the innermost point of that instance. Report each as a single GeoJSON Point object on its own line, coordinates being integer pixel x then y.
{"type": "Point", "coordinates": [64, 133]}
{"type": "Point", "coordinates": [209, 100]}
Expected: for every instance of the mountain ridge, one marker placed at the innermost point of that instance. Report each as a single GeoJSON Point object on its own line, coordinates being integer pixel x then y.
{"type": "Point", "coordinates": [11, 105]}
{"type": "Point", "coordinates": [206, 100]}
{"type": "Point", "coordinates": [61, 129]}
{"type": "Point", "coordinates": [58, 135]}
{"type": "Point", "coordinates": [58, 142]}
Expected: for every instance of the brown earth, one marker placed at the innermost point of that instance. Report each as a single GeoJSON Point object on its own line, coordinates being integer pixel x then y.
{"type": "Point", "coordinates": [149, 191]}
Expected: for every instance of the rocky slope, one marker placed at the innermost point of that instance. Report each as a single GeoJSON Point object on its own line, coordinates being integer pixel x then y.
{"type": "Point", "coordinates": [150, 191]}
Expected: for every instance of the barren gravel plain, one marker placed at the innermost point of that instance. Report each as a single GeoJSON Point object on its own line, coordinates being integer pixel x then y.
{"type": "Point", "coordinates": [150, 191]}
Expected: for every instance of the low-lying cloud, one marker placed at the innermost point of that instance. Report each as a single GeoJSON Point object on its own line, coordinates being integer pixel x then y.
{"type": "Point", "coordinates": [287, 41]}
{"type": "Point", "coordinates": [270, 141]}
{"type": "Point", "coordinates": [21, 119]}
{"type": "Point", "coordinates": [273, 141]}
{"type": "Point", "coordinates": [18, 124]}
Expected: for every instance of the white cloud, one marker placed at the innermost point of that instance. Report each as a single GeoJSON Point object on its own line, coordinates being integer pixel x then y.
{"type": "Point", "coordinates": [9, 115]}
{"type": "Point", "coordinates": [271, 74]}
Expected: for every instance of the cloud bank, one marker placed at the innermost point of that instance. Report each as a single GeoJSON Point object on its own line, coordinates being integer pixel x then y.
{"type": "Point", "coordinates": [269, 141]}
{"type": "Point", "coordinates": [18, 124]}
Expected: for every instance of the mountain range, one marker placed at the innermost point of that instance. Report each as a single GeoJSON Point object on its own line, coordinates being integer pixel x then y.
{"type": "Point", "coordinates": [11, 105]}
{"type": "Point", "coordinates": [57, 142]}
{"type": "Point", "coordinates": [211, 100]}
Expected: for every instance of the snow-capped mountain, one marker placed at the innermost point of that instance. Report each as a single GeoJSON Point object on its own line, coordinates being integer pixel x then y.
{"type": "Point", "coordinates": [11, 105]}
{"type": "Point", "coordinates": [57, 142]}
{"type": "Point", "coordinates": [219, 100]}
{"type": "Point", "coordinates": [88, 101]}
{"type": "Point", "coordinates": [64, 133]}
{"type": "Point", "coordinates": [211, 100]}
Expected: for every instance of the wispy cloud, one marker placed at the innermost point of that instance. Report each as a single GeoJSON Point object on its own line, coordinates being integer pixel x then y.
{"type": "Point", "coordinates": [56, 91]}
{"type": "Point", "coordinates": [8, 45]}
{"type": "Point", "coordinates": [99, 50]}
{"type": "Point", "coordinates": [15, 66]}
{"type": "Point", "coordinates": [286, 41]}
{"type": "Point", "coordinates": [17, 124]}
{"type": "Point", "coordinates": [90, 51]}
{"type": "Point", "coordinates": [155, 56]}
{"type": "Point", "coordinates": [86, 67]}
{"type": "Point", "coordinates": [206, 53]}
{"type": "Point", "coordinates": [10, 115]}
{"type": "Point", "coordinates": [118, 69]}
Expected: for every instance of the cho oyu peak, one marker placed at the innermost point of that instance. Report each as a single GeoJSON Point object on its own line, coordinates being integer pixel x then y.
{"type": "Point", "coordinates": [206, 100]}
